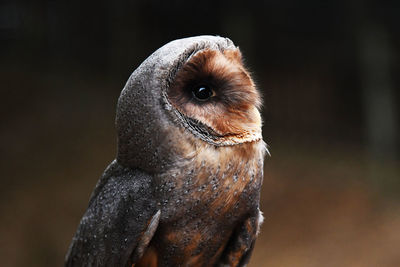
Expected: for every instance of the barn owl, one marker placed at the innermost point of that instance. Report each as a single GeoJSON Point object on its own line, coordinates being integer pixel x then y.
{"type": "Point", "coordinates": [184, 188]}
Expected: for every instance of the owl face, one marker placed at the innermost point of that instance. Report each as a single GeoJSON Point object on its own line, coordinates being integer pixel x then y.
{"type": "Point", "coordinates": [216, 99]}
{"type": "Point", "coordinates": [190, 94]}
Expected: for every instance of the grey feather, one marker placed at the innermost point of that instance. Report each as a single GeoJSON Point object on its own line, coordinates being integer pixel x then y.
{"type": "Point", "coordinates": [118, 213]}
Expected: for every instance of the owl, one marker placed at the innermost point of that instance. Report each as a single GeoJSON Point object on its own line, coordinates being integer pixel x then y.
{"type": "Point", "coordinates": [184, 188]}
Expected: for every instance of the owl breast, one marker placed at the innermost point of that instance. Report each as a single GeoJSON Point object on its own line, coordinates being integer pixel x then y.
{"type": "Point", "coordinates": [204, 198]}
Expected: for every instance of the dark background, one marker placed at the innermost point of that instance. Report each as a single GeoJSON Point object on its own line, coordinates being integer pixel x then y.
{"type": "Point", "coordinates": [329, 75]}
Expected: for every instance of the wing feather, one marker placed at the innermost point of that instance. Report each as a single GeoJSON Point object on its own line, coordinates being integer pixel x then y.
{"type": "Point", "coordinates": [121, 209]}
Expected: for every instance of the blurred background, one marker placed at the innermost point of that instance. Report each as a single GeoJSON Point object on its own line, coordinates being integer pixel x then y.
{"type": "Point", "coordinates": [329, 74]}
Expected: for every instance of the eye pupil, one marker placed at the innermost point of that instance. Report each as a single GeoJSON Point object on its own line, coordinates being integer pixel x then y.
{"type": "Point", "coordinates": [202, 92]}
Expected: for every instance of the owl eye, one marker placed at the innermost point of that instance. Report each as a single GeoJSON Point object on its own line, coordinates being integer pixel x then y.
{"type": "Point", "coordinates": [202, 92]}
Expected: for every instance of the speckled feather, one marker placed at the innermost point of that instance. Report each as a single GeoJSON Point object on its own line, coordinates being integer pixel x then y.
{"type": "Point", "coordinates": [184, 190]}
{"type": "Point", "coordinates": [118, 213]}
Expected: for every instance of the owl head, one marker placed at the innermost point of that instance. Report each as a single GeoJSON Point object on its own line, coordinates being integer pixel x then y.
{"type": "Point", "coordinates": [192, 90]}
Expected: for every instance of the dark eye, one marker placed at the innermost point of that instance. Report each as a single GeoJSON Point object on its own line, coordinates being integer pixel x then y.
{"type": "Point", "coordinates": [202, 92]}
